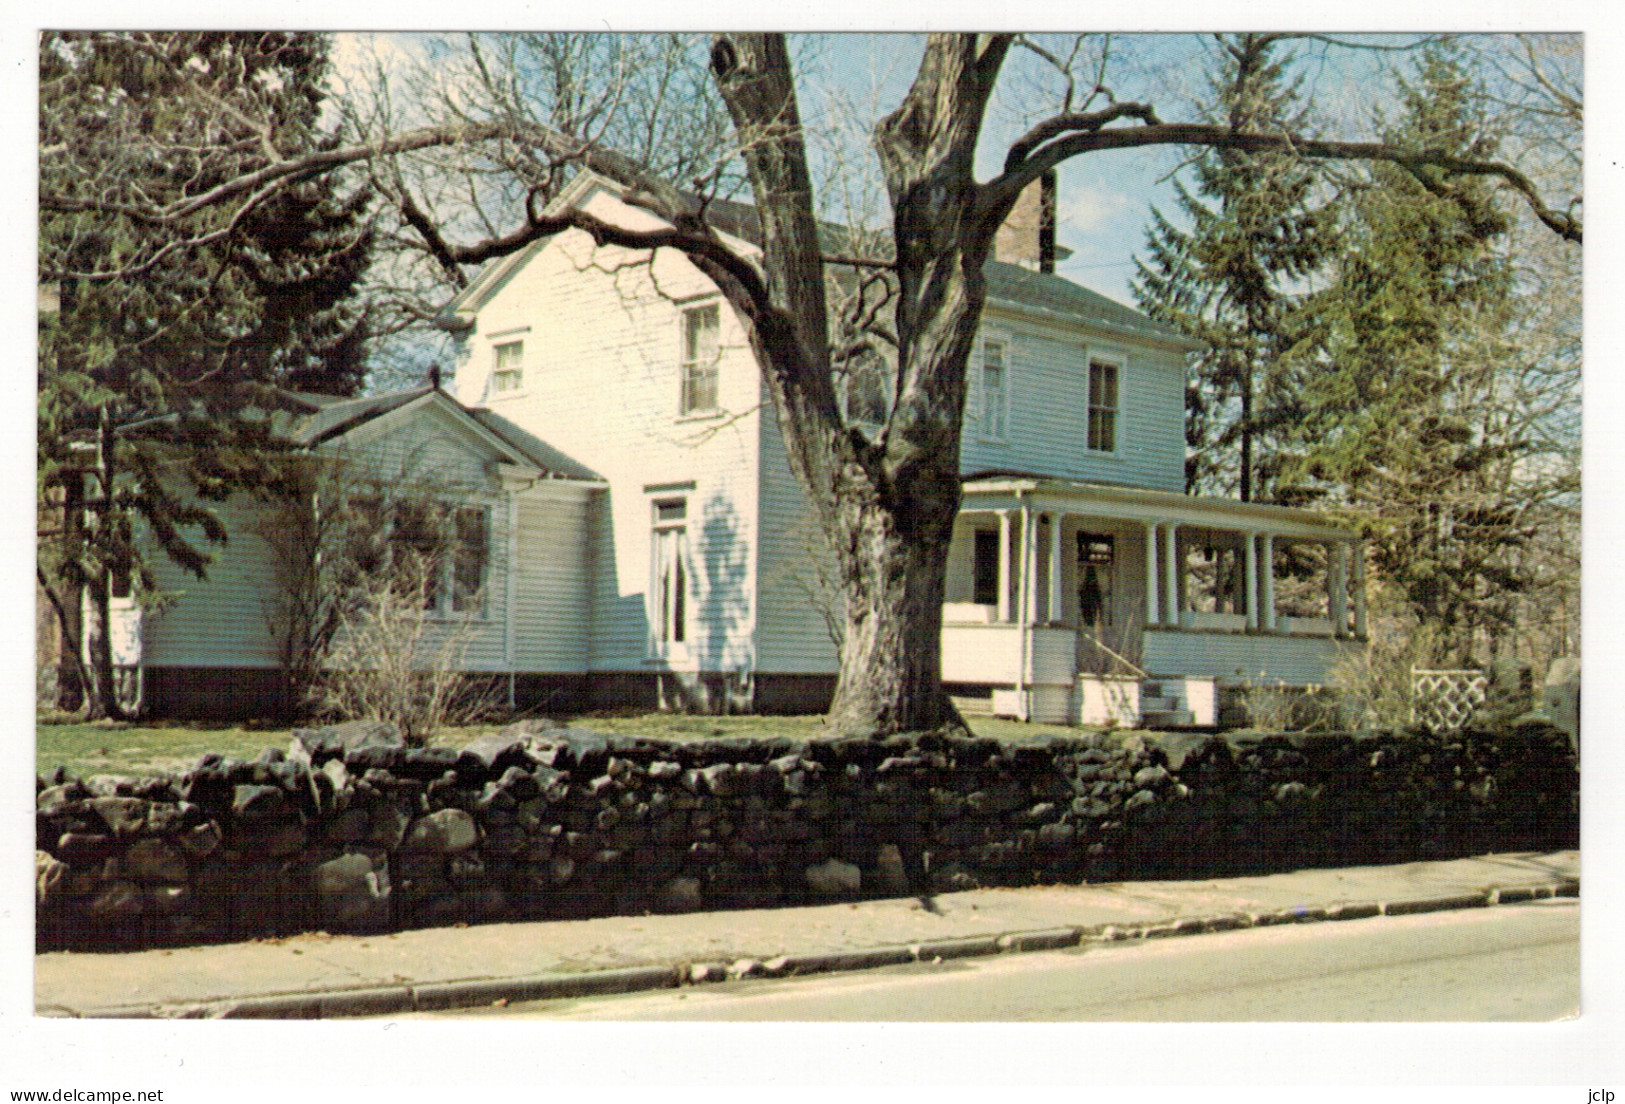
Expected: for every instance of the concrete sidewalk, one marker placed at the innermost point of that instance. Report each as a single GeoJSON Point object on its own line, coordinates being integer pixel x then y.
{"type": "Point", "coordinates": [319, 975]}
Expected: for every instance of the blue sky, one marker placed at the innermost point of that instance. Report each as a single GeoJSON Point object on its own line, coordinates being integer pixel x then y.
{"type": "Point", "coordinates": [1106, 199]}
{"type": "Point", "coordinates": [848, 81]}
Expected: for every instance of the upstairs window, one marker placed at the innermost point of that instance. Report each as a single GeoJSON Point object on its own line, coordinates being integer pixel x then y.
{"type": "Point", "coordinates": [509, 372]}
{"type": "Point", "coordinates": [995, 391]}
{"type": "Point", "coordinates": [701, 351]}
{"type": "Point", "coordinates": [1102, 406]}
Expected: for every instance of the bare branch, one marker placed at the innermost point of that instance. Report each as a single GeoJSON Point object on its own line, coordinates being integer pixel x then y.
{"type": "Point", "coordinates": [1046, 156]}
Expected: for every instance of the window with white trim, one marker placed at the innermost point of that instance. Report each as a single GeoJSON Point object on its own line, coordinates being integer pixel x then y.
{"type": "Point", "coordinates": [508, 371]}
{"type": "Point", "coordinates": [995, 390]}
{"type": "Point", "coordinates": [470, 559]}
{"type": "Point", "coordinates": [702, 348]}
{"type": "Point", "coordinates": [1103, 399]}
{"type": "Point", "coordinates": [668, 614]}
{"type": "Point", "coordinates": [436, 553]}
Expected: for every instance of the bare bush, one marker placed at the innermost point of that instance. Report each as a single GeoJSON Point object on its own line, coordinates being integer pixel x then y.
{"type": "Point", "coordinates": [394, 659]}
{"type": "Point", "coordinates": [1373, 682]}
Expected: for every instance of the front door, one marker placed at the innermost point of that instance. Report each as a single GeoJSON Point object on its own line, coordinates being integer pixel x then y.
{"type": "Point", "coordinates": [1096, 585]}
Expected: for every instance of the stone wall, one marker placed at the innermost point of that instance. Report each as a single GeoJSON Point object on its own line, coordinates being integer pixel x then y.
{"type": "Point", "coordinates": [350, 831]}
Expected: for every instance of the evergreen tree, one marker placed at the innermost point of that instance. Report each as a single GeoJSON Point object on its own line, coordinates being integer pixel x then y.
{"type": "Point", "coordinates": [156, 376]}
{"type": "Point", "coordinates": [1233, 280]}
{"type": "Point", "coordinates": [1408, 421]}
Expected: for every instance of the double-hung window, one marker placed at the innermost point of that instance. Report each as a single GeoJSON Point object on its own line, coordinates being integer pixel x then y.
{"type": "Point", "coordinates": [995, 390]}
{"type": "Point", "coordinates": [669, 555]}
{"type": "Point", "coordinates": [508, 374]}
{"type": "Point", "coordinates": [701, 350]}
{"type": "Point", "coordinates": [469, 559]}
{"type": "Point", "coordinates": [1103, 396]}
{"type": "Point", "coordinates": [437, 555]}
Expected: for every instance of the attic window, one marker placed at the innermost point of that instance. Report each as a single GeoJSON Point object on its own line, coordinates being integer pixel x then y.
{"type": "Point", "coordinates": [509, 371]}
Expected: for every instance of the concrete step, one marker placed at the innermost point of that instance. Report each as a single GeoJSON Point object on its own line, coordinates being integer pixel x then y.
{"type": "Point", "coordinates": [973, 707]}
{"type": "Point", "coordinates": [1167, 718]}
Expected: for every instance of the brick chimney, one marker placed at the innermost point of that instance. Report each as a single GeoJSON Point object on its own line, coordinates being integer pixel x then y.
{"type": "Point", "coordinates": [1027, 237]}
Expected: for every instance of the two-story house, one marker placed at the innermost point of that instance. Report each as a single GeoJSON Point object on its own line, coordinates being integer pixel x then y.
{"type": "Point", "coordinates": [642, 540]}
{"type": "Point", "coordinates": [1079, 571]}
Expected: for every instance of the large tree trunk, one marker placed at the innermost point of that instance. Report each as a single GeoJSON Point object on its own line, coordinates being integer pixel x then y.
{"type": "Point", "coordinates": [887, 506]}
{"type": "Point", "coordinates": [893, 569]}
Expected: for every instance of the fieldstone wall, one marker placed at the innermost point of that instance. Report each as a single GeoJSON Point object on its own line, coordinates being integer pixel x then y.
{"type": "Point", "coordinates": [351, 831]}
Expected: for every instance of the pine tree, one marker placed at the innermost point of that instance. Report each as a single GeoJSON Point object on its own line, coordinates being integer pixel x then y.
{"type": "Point", "coordinates": [1233, 280]}
{"type": "Point", "coordinates": [156, 376]}
{"type": "Point", "coordinates": [1408, 422]}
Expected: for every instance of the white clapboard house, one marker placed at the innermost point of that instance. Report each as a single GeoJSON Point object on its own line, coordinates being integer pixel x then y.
{"type": "Point", "coordinates": [647, 544]}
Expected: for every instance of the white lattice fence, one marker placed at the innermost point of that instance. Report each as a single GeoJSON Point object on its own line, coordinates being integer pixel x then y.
{"type": "Point", "coordinates": [1445, 700]}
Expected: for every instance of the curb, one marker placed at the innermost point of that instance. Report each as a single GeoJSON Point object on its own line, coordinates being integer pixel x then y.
{"type": "Point", "coordinates": [441, 996]}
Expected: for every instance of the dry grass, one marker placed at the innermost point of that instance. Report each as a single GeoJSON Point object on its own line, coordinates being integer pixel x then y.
{"type": "Point", "coordinates": [106, 748]}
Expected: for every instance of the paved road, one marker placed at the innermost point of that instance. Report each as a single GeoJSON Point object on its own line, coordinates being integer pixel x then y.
{"type": "Point", "coordinates": [1515, 962]}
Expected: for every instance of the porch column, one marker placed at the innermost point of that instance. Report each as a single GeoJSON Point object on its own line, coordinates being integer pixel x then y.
{"type": "Point", "coordinates": [1337, 568]}
{"type": "Point", "coordinates": [1004, 565]}
{"type": "Point", "coordinates": [1268, 570]}
{"type": "Point", "coordinates": [1358, 550]}
{"type": "Point", "coordinates": [1251, 581]}
{"type": "Point", "coordinates": [1029, 566]}
{"type": "Point", "coordinates": [1151, 610]}
{"type": "Point", "coordinates": [1055, 569]}
{"type": "Point", "coordinates": [1171, 573]}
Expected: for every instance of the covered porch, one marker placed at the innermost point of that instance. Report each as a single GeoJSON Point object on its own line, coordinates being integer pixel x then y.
{"type": "Point", "coordinates": [1062, 596]}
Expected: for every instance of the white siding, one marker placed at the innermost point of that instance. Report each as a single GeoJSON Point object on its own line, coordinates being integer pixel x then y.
{"type": "Point", "coordinates": [1239, 658]}
{"type": "Point", "coordinates": [222, 619]}
{"type": "Point", "coordinates": [794, 636]}
{"type": "Point", "coordinates": [603, 346]}
{"type": "Point", "coordinates": [1048, 381]}
{"type": "Point", "coordinates": [552, 626]}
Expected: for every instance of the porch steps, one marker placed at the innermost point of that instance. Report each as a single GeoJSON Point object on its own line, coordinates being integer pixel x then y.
{"type": "Point", "coordinates": [1162, 704]}
{"type": "Point", "coordinates": [973, 707]}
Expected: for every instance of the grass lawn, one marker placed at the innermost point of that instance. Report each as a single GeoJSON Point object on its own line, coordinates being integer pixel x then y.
{"type": "Point", "coordinates": [89, 749]}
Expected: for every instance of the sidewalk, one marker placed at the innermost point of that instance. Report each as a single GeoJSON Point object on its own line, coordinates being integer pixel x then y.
{"type": "Point", "coordinates": [320, 975]}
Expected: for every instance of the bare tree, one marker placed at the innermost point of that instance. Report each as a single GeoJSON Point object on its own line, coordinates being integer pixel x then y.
{"type": "Point", "coordinates": [886, 500]}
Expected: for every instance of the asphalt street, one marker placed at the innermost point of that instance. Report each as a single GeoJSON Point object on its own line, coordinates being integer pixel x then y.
{"type": "Point", "coordinates": [1515, 963]}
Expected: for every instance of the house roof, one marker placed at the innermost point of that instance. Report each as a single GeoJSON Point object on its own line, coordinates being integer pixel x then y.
{"type": "Point", "coordinates": [312, 420]}
{"type": "Point", "coordinates": [326, 418]}
{"type": "Point", "coordinates": [548, 458]}
{"type": "Point", "coordinates": [1008, 285]}
{"type": "Point", "coordinates": [998, 489]}
{"type": "Point", "coordinates": [1023, 288]}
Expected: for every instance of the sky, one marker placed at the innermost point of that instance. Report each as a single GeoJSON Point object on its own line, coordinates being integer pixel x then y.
{"type": "Point", "coordinates": [847, 81]}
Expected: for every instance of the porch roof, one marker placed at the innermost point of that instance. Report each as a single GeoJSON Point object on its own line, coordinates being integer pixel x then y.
{"type": "Point", "coordinates": [1004, 490]}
